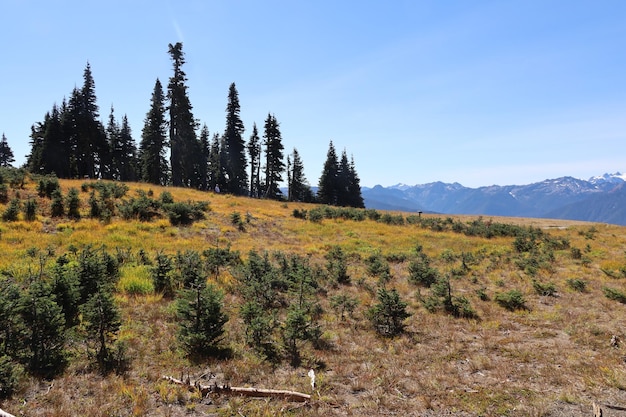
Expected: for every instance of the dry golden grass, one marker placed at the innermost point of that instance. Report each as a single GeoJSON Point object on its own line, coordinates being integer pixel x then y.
{"type": "Point", "coordinates": [554, 358]}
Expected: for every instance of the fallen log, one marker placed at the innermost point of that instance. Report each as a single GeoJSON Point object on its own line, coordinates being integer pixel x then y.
{"type": "Point", "coordinates": [5, 414]}
{"type": "Point", "coordinates": [243, 391]}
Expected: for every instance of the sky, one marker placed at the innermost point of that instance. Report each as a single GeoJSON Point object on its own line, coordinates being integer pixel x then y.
{"type": "Point", "coordinates": [505, 92]}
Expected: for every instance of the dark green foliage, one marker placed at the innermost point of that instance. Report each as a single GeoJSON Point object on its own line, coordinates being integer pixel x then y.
{"type": "Point", "coordinates": [4, 193]}
{"type": "Point", "coordinates": [11, 326]}
{"type": "Point", "coordinates": [614, 294]}
{"type": "Point", "coordinates": [298, 187]}
{"type": "Point", "coordinates": [73, 204]}
{"type": "Point", "coordinates": [30, 210]}
{"type": "Point", "coordinates": [577, 284]}
{"type": "Point", "coordinates": [299, 326]}
{"type": "Point", "coordinates": [161, 274]}
{"type": "Point", "coordinates": [389, 314]}
{"type": "Point", "coordinates": [254, 152]}
{"type": "Point", "coordinates": [142, 208]}
{"type": "Point", "coordinates": [260, 325]}
{"type": "Point", "coordinates": [342, 304]}
{"type": "Point", "coordinates": [95, 268]}
{"type": "Point", "coordinates": [189, 269]}
{"type": "Point", "coordinates": [66, 289]}
{"type": "Point", "coordinates": [154, 167]}
{"type": "Point", "coordinates": [377, 266]}
{"type": "Point", "coordinates": [43, 336]}
{"type": "Point", "coordinates": [511, 300]}
{"type": "Point", "coordinates": [57, 208]}
{"type": "Point", "coordinates": [217, 258]}
{"type": "Point", "coordinates": [236, 220]}
{"type": "Point", "coordinates": [47, 185]}
{"type": "Point", "coordinates": [441, 298]}
{"type": "Point", "coordinates": [327, 192]}
{"type": "Point", "coordinates": [184, 214]}
{"type": "Point", "coordinates": [274, 164]}
{"type": "Point", "coordinates": [392, 219]}
{"type": "Point", "coordinates": [166, 198]}
{"type": "Point", "coordinates": [6, 154]}
{"type": "Point", "coordinates": [12, 211]}
{"type": "Point", "coordinates": [201, 319]}
{"type": "Point", "coordinates": [182, 125]}
{"type": "Point", "coordinates": [336, 265]}
{"type": "Point", "coordinates": [102, 322]}
{"type": "Point", "coordinates": [544, 288]}
{"type": "Point", "coordinates": [9, 376]}
{"type": "Point", "coordinates": [233, 151]}
{"type": "Point", "coordinates": [420, 271]}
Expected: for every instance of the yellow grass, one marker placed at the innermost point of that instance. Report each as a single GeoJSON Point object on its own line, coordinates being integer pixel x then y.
{"type": "Point", "coordinates": [554, 357]}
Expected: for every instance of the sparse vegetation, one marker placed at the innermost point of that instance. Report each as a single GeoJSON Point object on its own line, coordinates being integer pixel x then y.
{"type": "Point", "coordinates": [301, 295]}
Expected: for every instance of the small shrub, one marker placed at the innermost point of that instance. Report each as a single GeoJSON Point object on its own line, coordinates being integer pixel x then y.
{"type": "Point", "coordinates": [57, 208]}
{"type": "Point", "coordinates": [73, 204]}
{"type": "Point", "coordinates": [614, 294]}
{"type": "Point", "coordinates": [577, 284]}
{"type": "Point", "coordinates": [236, 220]}
{"type": "Point", "coordinates": [546, 289]}
{"type": "Point", "coordinates": [30, 210]}
{"type": "Point", "coordinates": [12, 211]}
{"type": "Point", "coordinates": [388, 315]}
{"type": "Point", "coordinates": [4, 193]}
{"type": "Point", "coordinates": [9, 376]}
{"type": "Point", "coordinates": [47, 185]}
{"type": "Point", "coordinates": [511, 300]}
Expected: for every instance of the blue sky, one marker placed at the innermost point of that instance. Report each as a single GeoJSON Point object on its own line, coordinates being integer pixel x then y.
{"type": "Point", "coordinates": [475, 92]}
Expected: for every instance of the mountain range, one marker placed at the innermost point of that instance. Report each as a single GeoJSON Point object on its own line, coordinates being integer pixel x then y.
{"type": "Point", "coordinates": [598, 199]}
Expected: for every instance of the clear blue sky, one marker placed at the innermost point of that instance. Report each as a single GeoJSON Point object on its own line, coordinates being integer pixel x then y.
{"type": "Point", "coordinates": [477, 92]}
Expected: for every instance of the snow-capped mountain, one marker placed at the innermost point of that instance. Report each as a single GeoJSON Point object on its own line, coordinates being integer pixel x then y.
{"type": "Point", "coordinates": [598, 199]}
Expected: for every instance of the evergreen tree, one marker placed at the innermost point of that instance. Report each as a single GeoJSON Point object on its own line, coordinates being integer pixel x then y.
{"type": "Point", "coordinates": [44, 335]}
{"type": "Point", "coordinates": [274, 165]}
{"type": "Point", "coordinates": [115, 154]}
{"type": "Point", "coordinates": [6, 154]}
{"type": "Point", "coordinates": [201, 319]}
{"type": "Point", "coordinates": [354, 187]}
{"type": "Point", "coordinates": [299, 189]}
{"type": "Point", "coordinates": [236, 181]}
{"type": "Point", "coordinates": [182, 125]}
{"type": "Point", "coordinates": [154, 166]}
{"type": "Point", "coordinates": [254, 151]}
{"type": "Point", "coordinates": [203, 159]}
{"type": "Point", "coordinates": [56, 151]}
{"type": "Point", "coordinates": [127, 163]}
{"type": "Point", "coordinates": [87, 135]}
{"type": "Point", "coordinates": [343, 180]}
{"type": "Point", "coordinates": [215, 170]}
{"type": "Point", "coordinates": [34, 160]}
{"type": "Point", "coordinates": [102, 323]}
{"type": "Point", "coordinates": [327, 192]}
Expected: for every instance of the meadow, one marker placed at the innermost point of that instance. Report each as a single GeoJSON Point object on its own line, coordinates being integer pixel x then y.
{"type": "Point", "coordinates": [529, 322]}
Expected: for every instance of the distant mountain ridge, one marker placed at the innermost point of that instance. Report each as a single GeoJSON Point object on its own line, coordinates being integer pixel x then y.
{"type": "Point", "coordinates": [598, 199]}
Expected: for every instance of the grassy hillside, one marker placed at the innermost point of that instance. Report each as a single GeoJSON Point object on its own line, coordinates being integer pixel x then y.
{"type": "Point", "coordinates": [523, 327]}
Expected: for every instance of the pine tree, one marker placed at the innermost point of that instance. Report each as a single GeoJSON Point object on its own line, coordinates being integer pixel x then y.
{"type": "Point", "coordinates": [343, 180]}
{"type": "Point", "coordinates": [203, 159]}
{"type": "Point", "coordinates": [128, 162]}
{"type": "Point", "coordinates": [274, 165]}
{"type": "Point", "coordinates": [299, 189]}
{"type": "Point", "coordinates": [354, 187]}
{"type": "Point", "coordinates": [113, 137]}
{"type": "Point", "coordinates": [154, 166]}
{"type": "Point", "coordinates": [254, 151]}
{"type": "Point", "coordinates": [102, 323]}
{"type": "Point", "coordinates": [215, 170]}
{"type": "Point", "coordinates": [6, 154]}
{"type": "Point", "coordinates": [236, 181]}
{"type": "Point", "coordinates": [327, 192]}
{"type": "Point", "coordinates": [183, 139]}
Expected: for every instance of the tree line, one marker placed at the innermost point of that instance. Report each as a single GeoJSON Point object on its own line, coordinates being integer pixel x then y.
{"type": "Point", "coordinates": [72, 142]}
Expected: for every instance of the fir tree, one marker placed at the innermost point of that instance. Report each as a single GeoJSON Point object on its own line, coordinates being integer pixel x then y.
{"type": "Point", "coordinates": [274, 165]}
{"type": "Point", "coordinates": [203, 159]}
{"type": "Point", "coordinates": [327, 192]}
{"type": "Point", "coordinates": [236, 181]}
{"type": "Point", "coordinates": [354, 187]}
{"type": "Point", "coordinates": [254, 151]}
{"type": "Point", "coordinates": [299, 189]}
{"type": "Point", "coordinates": [215, 170]}
{"type": "Point", "coordinates": [183, 139]}
{"type": "Point", "coordinates": [102, 323]}
{"type": "Point", "coordinates": [154, 166]}
{"type": "Point", "coordinates": [6, 154]}
{"type": "Point", "coordinates": [128, 162]}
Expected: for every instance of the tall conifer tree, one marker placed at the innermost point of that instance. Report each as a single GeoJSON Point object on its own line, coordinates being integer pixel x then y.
{"type": "Point", "coordinates": [327, 189]}
{"type": "Point", "coordinates": [154, 166]}
{"type": "Point", "coordinates": [236, 180]}
{"type": "Point", "coordinates": [6, 154]}
{"type": "Point", "coordinates": [274, 165]}
{"type": "Point", "coordinates": [299, 189]}
{"type": "Point", "coordinates": [254, 151]}
{"type": "Point", "coordinates": [183, 139]}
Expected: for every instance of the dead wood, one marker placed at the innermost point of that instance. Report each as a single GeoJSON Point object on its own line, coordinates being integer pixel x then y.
{"type": "Point", "coordinates": [5, 414]}
{"type": "Point", "coordinates": [243, 391]}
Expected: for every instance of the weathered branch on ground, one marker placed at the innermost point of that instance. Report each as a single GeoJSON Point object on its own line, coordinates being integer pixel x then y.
{"type": "Point", "coordinates": [5, 414]}
{"type": "Point", "coordinates": [243, 391]}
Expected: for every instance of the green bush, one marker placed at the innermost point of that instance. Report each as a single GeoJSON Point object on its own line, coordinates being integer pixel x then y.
{"type": "Point", "coordinates": [577, 284]}
{"type": "Point", "coordinates": [389, 314]}
{"type": "Point", "coordinates": [546, 289]}
{"type": "Point", "coordinates": [30, 210]}
{"type": "Point", "coordinates": [12, 211]}
{"type": "Point", "coordinates": [614, 294]}
{"type": "Point", "coordinates": [9, 376]}
{"type": "Point", "coordinates": [511, 300]}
